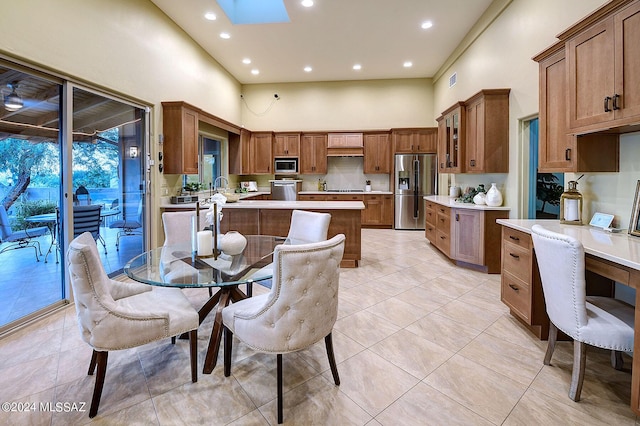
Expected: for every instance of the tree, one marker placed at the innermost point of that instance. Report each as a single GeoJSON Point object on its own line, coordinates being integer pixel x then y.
{"type": "Point", "coordinates": [547, 190]}
{"type": "Point", "coordinates": [19, 160]}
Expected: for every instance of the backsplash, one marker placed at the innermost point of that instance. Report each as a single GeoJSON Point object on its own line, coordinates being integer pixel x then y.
{"type": "Point", "coordinates": [346, 173]}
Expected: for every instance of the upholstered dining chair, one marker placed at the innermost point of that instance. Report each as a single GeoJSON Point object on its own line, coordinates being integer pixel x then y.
{"type": "Point", "coordinates": [114, 315]}
{"type": "Point", "coordinates": [300, 309]}
{"type": "Point", "coordinates": [602, 322]}
{"type": "Point", "coordinates": [306, 227]}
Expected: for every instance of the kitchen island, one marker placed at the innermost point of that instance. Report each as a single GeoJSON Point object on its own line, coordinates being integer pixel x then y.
{"type": "Point", "coordinates": [270, 217]}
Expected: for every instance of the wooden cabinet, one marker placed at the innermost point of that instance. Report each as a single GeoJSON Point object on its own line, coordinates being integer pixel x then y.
{"type": "Point", "coordinates": [521, 289]}
{"type": "Point", "coordinates": [313, 154]}
{"type": "Point", "coordinates": [261, 152]}
{"type": "Point", "coordinates": [378, 210]}
{"type": "Point", "coordinates": [344, 140]}
{"type": "Point", "coordinates": [443, 230]}
{"type": "Point", "coordinates": [451, 135]}
{"type": "Point", "coordinates": [430, 220]}
{"type": "Point", "coordinates": [312, 197]}
{"type": "Point", "coordinates": [377, 153]}
{"type": "Point", "coordinates": [604, 72]}
{"type": "Point", "coordinates": [286, 145]}
{"type": "Point", "coordinates": [415, 141]}
{"type": "Point", "coordinates": [180, 129]}
{"type": "Point", "coordinates": [344, 197]}
{"type": "Point", "coordinates": [487, 132]}
{"type": "Point", "coordinates": [558, 150]}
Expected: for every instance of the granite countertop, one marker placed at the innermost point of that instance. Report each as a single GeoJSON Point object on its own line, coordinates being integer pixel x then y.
{"type": "Point", "coordinates": [451, 202]}
{"type": "Point", "coordinates": [618, 247]}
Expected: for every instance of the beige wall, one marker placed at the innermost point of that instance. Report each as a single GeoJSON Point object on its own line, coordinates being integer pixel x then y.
{"type": "Point", "coordinates": [342, 105]}
{"type": "Point", "coordinates": [501, 57]}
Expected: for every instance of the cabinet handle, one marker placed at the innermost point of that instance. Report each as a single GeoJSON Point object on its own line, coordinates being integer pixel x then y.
{"type": "Point", "coordinates": [514, 288]}
{"type": "Point", "coordinates": [515, 256]}
{"type": "Point", "coordinates": [607, 99]}
{"type": "Point", "coordinates": [514, 238]}
{"type": "Point", "coordinates": [567, 154]}
{"type": "Point", "coordinates": [616, 97]}
{"type": "Point", "coordinates": [442, 238]}
{"type": "Point", "coordinates": [457, 217]}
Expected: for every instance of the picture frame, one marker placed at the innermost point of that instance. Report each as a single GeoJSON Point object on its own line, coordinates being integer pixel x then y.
{"type": "Point", "coordinates": [634, 224]}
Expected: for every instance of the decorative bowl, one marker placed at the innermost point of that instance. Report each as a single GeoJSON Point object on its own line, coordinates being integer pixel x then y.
{"type": "Point", "coordinates": [231, 196]}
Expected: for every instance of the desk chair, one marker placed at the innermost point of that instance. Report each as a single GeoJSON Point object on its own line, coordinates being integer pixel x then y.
{"type": "Point", "coordinates": [19, 239]}
{"type": "Point", "coordinates": [602, 322]}
{"type": "Point", "coordinates": [113, 315]}
{"type": "Point", "coordinates": [300, 309]}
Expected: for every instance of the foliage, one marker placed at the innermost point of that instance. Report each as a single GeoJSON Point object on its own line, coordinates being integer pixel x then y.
{"type": "Point", "coordinates": [193, 186]}
{"type": "Point", "coordinates": [30, 208]}
{"type": "Point", "coordinates": [547, 190]}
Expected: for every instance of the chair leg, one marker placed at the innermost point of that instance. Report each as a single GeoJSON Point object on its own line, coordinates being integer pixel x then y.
{"type": "Point", "coordinates": [193, 353]}
{"type": "Point", "coordinates": [173, 340]}
{"type": "Point", "coordinates": [616, 360]}
{"type": "Point", "coordinates": [228, 344]}
{"type": "Point", "coordinates": [101, 359]}
{"type": "Point", "coordinates": [92, 363]}
{"type": "Point", "coordinates": [577, 373]}
{"type": "Point", "coordinates": [328, 343]}
{"type": "Point", "coordinates": [551, 345]}
{"type": "Point", "coordinates": [279, 377]}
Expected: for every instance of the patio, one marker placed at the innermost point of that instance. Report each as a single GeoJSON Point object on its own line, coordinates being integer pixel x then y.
{"type": "Point", "coordinates": [27, 285]}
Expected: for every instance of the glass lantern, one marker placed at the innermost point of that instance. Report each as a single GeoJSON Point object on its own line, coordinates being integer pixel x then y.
{"type": "Point", "coordinates": [571, 205]}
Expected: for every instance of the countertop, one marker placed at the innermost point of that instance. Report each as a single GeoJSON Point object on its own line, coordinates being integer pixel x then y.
{"type": "Point", "coordinates": [620, 247]}
{"type": "Point", "coordinates": [275, 204]}
{"type": "Point", "coordinates": [344, 192]}
{"type": "Point", "coordinates": [451, 202]}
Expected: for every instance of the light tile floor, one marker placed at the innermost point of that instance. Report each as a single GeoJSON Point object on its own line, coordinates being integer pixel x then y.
{"type": "Point", "coordinates": [418, 341]}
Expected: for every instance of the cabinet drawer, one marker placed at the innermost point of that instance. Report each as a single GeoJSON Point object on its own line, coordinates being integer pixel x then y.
{"type": "Point", "coordinates": [443, 221]}
{"type": "Point", "coordinates": [430, 217]}
{"type": "Point", "coordinates": [517, 261]}
{"type": "Point", "coordinates": [430, 232]}
{"type": "Point", "coordinates": [517, 295]}
{"type": "Point", "coordinates": [430, 205]}
{"type": "Point", "coordinates": [519, 238]}
{"type": "Point", "coordinates": [443, 242]}
{"type": "Point", "coordinates": [345, 197]}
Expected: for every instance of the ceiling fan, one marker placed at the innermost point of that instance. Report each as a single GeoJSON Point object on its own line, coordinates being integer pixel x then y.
{"type": "Point", "coordinates": [13, 101]}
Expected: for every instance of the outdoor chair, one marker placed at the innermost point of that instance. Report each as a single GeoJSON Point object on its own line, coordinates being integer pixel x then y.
{"type": "Point", "coordinates": [82, 196]}
{"type": "Point", "coordinates": [19, 239]}
{"type": "Point", "coordinates": [87, 219]}
{"type": "Point", "coordinates": [128, 226]}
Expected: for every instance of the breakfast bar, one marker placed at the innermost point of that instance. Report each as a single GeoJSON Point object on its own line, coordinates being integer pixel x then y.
{"type": "Point", "coordinates": [266, 217]}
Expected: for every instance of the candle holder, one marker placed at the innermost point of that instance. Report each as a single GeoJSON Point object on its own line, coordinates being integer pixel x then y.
{"type": "Point", "coordinates": [571, 205]}
{"type": "Point", "coordinates": [210, 249]}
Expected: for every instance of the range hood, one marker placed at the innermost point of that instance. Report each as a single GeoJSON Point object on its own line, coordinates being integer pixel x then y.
{"type": "Point", "coordinates": [345, 145]}
{"type": "Point", "coordinates": [345, 152]}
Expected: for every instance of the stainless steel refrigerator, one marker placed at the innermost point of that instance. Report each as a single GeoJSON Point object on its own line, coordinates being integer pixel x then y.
{"type": "Point", "coordinates": [415, 177]}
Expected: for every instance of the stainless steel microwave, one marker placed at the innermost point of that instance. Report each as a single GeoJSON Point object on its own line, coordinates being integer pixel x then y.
{"type": "Point", "coordinates": [286, 165]}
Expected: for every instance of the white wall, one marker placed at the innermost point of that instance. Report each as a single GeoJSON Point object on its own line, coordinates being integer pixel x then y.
{"type": "Point", "coordinates": [501, 57]}
{"type": "Point", "coordinates": [342, 105]}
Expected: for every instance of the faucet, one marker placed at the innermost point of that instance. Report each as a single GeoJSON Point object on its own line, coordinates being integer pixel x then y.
{"type": "Point", "coordinates": [218, 181]}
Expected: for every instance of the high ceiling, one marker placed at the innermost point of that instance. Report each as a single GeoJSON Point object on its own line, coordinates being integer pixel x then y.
{"type": "Point", "coordinates": [331, 37]}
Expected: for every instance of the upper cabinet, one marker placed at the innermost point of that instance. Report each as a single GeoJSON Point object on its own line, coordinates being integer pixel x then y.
{"type": "Point", "coordinates": [286, 145]}
{"type": "Point", "coordinates": [313, 154]}
{"type": "Point", "coordinates": [344, 140]}
{"type": "Point", "coordinates": [415, 141]}
{"type": "Point", "coordinates": [261, 152]}
{"type": "Point", "coordinates": [604, 72]}
{"type": "Point", "coordinates": [487, 132]}
{"type": "Point", "coordinates": [180, 129]}
{"type": "Point", "coordinates": [251, 153]}
{"type": "Point", "coordinates": [377, 153]}
{"type": "Point", "coordinates": [451, 134]}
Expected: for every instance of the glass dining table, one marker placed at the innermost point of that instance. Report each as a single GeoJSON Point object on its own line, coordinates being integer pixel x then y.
{"type": "Point", "coordinates": [178, 266]}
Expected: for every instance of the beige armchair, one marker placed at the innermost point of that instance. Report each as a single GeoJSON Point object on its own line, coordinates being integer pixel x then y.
{"type": "Point", "coordinates": [113, 315]}
{"type": "Point", "coordinates": [300, 309]}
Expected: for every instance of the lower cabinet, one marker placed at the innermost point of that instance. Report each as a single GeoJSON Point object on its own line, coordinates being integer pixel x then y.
{"type": "Point", "coordinates": [469, 237]}
{"type": "Point", "coordinates": [378, 211]}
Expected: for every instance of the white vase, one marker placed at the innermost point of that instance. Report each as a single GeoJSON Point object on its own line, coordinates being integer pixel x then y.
{"type": "Point", "coordinates": [494, 196]}
{"type": "Point", "coordinates": [480, 198]}
{"type": "Point", "coordinates": [233, 243]}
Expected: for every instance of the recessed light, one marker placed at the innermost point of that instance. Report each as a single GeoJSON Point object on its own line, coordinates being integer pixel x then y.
{"type": "Point", "coordinates": [357, 67]}
{"type": "Point", "coordinates": [255, 71]}
{"type": "Point", "coordinates": [246, 61]}
{"type": "Point", "coordinates": [210, 16]}
{"type": "Point", "coordinates": [225, 36]}
{"type": "Point", "coordinates": [308, 69]}
{"type": "Point", "coordinates": [407, 64]}
{"type": "Point", "coordinates": [307, 3]}
{"type": "Point", "coordinates": [426, 24]}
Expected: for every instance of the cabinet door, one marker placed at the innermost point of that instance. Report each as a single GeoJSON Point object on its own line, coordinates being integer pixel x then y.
{"type": "Point", "coordinates": [426, 141]}
{"type": "Point", "coordinates": [286, 145]}
{"type": "Point", "coordinates": [475, 137]}
{"type": "Point", "coordinates": [591, 60]}
{"type": "Point", "coordinates": [313, 154]}
{"type": "Point", "coordinates": [261, 152]}
{"type": "Point", "coordinates": [469, 242]}
{"type": "Point", "coordinates": [556, 149]}
{"type": "Point", "coordinates": [372, 213]}
{"type": "Point", "coordinates": [377, 153]}
{"type": "Point", "coordinates": [453, 135]}
{"type": "Point", "coordinates": [627, 65]}
{"type": "Point", "coordinates": [403, 141]}
{"type": "Point", "coordinates": [180, 127]}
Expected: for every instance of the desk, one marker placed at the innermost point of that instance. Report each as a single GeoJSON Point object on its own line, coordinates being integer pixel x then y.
{"type": "Point", "coordinates": [174, 266]}
{"type": "Point", "coordinates": [51, 222]}
{"type": "Point", "coordinates": [614, 256]}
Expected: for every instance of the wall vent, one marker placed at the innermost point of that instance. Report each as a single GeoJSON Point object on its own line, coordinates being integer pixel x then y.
{"type": "Point", "coordinates": [453, 79]}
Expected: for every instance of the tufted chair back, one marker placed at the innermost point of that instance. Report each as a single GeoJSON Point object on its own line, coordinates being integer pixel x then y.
{"type": "Point", "coordinates": [308, 227]}
{"type": "Point", "coordinates": [561, 263]}
{"type": "Point", "coordinates": [177, 227]}
{"type": "Point", "coordinates": [301, 307]}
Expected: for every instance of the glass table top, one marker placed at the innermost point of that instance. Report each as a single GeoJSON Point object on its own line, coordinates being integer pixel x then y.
{"type": "Point", "coordinates": [177, 266]}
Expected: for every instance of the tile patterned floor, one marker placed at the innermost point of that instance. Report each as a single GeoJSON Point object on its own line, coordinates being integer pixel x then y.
{"type": "Point", "coordinates": [418, 341]}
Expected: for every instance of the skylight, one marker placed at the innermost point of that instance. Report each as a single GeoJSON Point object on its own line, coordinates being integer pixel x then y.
{"type": "Point", "coordinates": [254, 11]}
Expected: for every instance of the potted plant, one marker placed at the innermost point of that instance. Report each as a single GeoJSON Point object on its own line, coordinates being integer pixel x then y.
{"type": "Point", "coordinates": [192, 187]}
